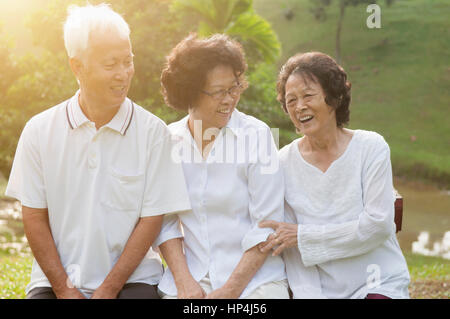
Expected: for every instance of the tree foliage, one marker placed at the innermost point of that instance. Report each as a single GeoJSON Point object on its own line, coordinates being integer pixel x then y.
{"type": "Point", "coordinates": [237, 19]}
{"type": "Point", "coordinates": [42, 78]}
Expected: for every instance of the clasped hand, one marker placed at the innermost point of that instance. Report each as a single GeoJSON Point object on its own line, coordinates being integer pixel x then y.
{"type": "Point", "coordinates": [285, 236]}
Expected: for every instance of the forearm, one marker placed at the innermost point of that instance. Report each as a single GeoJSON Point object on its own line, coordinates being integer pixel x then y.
{"type": "Point", "coordinates": [172, 252]}
{"type": "Point", "coordinates": [247, 267]}
{"type": "Point", "coordinates": [321, 243]}
{"type": "Point", "coordinates": [40, 239]}
{"type": "Point", "coordinates": [135, 250]}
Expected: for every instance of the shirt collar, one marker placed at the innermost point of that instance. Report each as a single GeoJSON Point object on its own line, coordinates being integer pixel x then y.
{"type": "Point", "coordinates": [182, 128]}
{"type": "Point", "coordinates": [120, 122]}
{"type": "Point", "coordinates": [233, 123]}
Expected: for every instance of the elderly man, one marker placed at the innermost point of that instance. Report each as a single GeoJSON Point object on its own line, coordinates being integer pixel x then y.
{"type": "Point", "coordinates": [94, 174]}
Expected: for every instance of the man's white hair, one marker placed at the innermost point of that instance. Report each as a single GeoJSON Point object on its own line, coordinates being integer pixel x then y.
{"type": "Point", "coordinates": [82, 21]}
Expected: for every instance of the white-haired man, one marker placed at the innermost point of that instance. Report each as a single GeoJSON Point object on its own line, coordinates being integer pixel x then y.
{"type": "Point", "coordinates": [94, 174]}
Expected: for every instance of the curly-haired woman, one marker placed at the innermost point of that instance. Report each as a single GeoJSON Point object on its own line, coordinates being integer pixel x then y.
{"type": "Point", "coordinates": [339, 239]}
{"type": "Point", "coordinates": [230, 189]}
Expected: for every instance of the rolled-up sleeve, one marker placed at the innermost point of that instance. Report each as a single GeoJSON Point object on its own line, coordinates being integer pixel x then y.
{"type": "Point", "coordinates": [171, 228]}
{"type": "Point", "coordinates": [26, 181]}
{"type": "Point", "coordinates": [375, 224]}
{"type": "Point", "coordinates": [266, 190]}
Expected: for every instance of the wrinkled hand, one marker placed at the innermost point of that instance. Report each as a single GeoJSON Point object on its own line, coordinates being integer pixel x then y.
{"type": "Point", "coordinates": [222, 293]}
{"type": "Point", "coordinates": [285, 236]}
{"type": "Point", "coordinates": [190, 289]}
{"type": "Point", "coordinates": [70, 293]}
{"type": "Point", "coordinates": [103, 292]}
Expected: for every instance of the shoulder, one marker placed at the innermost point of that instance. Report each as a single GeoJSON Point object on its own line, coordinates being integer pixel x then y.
{"type": "Point", "coordinates": [371, 141]}
{"type": "Point", "coordinates": [372, 146]}
{"type": "Point", "coordinates": [149, 123]}
{"type": "Point", "coordinates": [286, 151]}
{"type": "Point", "coordinates": [148, 117]}
{"type": "Point", "coordinates": [177, 126]}
{"type": "Point", "coordinates": [248, 121]}
{"type": "Point", "coordinates": [48, 119]}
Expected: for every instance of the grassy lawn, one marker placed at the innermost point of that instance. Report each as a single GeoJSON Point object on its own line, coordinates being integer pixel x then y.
{"type": "Point", "coordinates": [400, 73]}
{"type": "Point", "coordinates": [15, 276]}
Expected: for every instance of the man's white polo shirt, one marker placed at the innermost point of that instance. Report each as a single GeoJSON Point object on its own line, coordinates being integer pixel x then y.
{"type": "Point", "coordinates": [96, 185]}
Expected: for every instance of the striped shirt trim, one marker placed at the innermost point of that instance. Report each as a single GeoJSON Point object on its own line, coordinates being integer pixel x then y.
{"type": "Point", "coordinates": [67, 115]}
{"type": "Point", "coordinates": [131, 117]}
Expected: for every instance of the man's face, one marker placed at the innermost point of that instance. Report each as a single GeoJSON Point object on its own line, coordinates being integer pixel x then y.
{"type": "Point", "coordinates": [107, 69]}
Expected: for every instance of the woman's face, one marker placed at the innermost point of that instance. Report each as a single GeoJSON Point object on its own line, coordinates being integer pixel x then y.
{"type": "Point", "coordinates": [305, 103]}
{"type": "Point", "coordinates": [213, 107]}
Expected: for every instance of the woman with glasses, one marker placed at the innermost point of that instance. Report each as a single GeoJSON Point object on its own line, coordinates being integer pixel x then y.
{"type": "Point", "coordinates": [232, 175]}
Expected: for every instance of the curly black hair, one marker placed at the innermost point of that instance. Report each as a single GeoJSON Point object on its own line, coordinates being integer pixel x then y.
{"type": "Point", "coordinates": [317, 66]}
{"type": "Point", "coordinates": [184, 74]}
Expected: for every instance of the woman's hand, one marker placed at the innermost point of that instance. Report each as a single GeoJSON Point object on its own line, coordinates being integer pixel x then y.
{"type": "Point", "coordinates": [222, 293]}
{"type": "Point", "coordinates": [190, 289]}
{"type": "Point", "coordinates": [285, 236]}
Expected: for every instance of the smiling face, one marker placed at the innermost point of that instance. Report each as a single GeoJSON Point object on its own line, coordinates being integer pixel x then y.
{"type": "Point", "coordinates": [106, 70]}
{"type": "Point", "coordinates": [212, 112]}
{"type": "Point", "coordinates": [305, 103]}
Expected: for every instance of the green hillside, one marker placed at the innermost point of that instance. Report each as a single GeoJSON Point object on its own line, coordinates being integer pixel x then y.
{"type": "Point", "coordinates": [400, 73]}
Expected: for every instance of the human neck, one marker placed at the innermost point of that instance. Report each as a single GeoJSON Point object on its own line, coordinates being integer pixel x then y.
{"type": "Point", "coordinates": [95, 112]}
{"type": "Point", "coordinates": [327, 141]}
{"type": "Point", "coordinates": [203, 135]}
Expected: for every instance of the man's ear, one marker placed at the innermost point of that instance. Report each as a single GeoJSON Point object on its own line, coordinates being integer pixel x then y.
{"type": "Point", "coordinates": [76, 66]}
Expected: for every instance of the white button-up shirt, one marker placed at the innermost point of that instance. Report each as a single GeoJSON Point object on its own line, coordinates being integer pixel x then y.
{"type": "Point", "coordinates": [235, 188]}
{"type": "Point", "coordinates": [96, 185]}
{"type": "Point", "coordinates": [347, 246]}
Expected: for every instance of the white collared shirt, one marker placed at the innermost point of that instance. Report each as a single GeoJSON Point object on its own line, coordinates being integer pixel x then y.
{"type": "Point", "coordinates": [96, 185]}
{"type": "Point", "coordinates": [235, 188]}
{"type": "Point", "coordinates": [347, 246]}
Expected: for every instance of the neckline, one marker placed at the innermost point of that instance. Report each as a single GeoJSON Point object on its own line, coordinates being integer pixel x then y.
{"type": "Point", "coordinates": [349, 145]}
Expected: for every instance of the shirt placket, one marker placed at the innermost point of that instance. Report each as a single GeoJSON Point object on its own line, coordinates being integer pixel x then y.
{"type": "Point", "coordinates": [94, 147]}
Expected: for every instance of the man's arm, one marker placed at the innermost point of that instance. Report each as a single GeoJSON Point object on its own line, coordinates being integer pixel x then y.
{"type": "Point", "coordinates": [187, 286]}
{"type": "Point", "coordinates": [142, 237]}
{"type": "Point", "coordinates": [40, 239]}
{"type": "Point", "coordinates": [249, 264]}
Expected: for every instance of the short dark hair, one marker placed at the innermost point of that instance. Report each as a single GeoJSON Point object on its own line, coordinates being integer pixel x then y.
{"type": "Point", "coordinates": [317, 66]}
{"type": "Point", "coordinates": [187, 65]}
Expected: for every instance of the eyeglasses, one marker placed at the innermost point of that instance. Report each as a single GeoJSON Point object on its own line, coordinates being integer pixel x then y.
{"type": "Point", "coordinates": [234, 92]}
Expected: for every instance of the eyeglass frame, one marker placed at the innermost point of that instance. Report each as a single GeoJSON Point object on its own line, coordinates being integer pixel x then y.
{"type": "Point", "coordinates": [223, 93]}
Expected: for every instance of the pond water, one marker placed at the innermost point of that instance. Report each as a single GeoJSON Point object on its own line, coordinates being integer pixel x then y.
{"type": "Point", "coordinates": [425, 209]}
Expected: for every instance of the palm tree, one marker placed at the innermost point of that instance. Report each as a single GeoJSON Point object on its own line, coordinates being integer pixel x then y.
{"type": "Point", "coordinates": [237, 19]}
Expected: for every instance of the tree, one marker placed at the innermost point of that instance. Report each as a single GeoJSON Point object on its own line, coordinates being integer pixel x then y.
{"type": "Point", "coordinates": [237, 19]}
{"type": "Point", "coordinates": [42, 78]}
{"type": "Point", "coordinates": [319, 12]}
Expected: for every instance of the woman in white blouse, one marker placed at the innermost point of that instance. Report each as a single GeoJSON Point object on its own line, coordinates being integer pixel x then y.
{"type": "Point", "coordinates": [339, 239]}
{"type": "Point", "coordinates": [212, 251]}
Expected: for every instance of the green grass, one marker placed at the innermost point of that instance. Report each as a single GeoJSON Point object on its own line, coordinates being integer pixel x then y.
{"type": "Point", "coordinates": [400, 74]}
{"type": "Point", "coordinates": [428, 268]}
{"type": "Point", "coordinates": [15, 276]}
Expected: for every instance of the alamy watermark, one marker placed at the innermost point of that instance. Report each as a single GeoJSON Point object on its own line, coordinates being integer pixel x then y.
{"type": "Point", "coordinates": [247, 145]}
{"type": "Point", "coordinates": [374, 20]}
{"type": "Point", "coordinates": [374, 279]}
{"type": "Point", "coordinates": [74, 276]}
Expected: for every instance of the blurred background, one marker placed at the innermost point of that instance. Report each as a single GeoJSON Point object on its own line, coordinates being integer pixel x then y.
{"type": "Point", "coordinates": [400, 76]}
